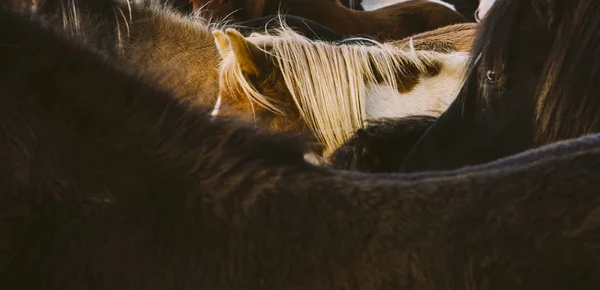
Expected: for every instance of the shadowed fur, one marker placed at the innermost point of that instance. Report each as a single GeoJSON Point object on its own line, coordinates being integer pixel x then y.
{"type": "Point", "coordinates": [302, 26]}
{"type": "Point", "coordinates": [336, 88]}
{"type": "Point", "coordinates": [108, 183]}
{"type": "Point", "coordinates": [568, 95]}
{"type": "Point", "coordinates": [382, 145]}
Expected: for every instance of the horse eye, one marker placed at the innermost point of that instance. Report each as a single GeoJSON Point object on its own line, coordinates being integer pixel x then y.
{"type": "Point", "coordinates": [371, 131]}
{"type": "Point", "coordinates": [491, 77]}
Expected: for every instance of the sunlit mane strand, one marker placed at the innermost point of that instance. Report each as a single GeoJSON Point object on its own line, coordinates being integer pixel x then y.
{"type": "Point", "coordinates": [328, 82]}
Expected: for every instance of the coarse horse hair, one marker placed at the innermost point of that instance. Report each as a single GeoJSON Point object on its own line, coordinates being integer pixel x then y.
{"type": "Point", "coordinates": [329, 82]}
{"type": "Point", "coordinates": [109, 182]}
{"type": "Point", "coordinates": [146, 36]}
{"type": "Point", "coordinates": [389, 23]}
{"type": "Point", "coordinates": [528, 85]}
{"type": "Point", "coordinates": [382, 145]}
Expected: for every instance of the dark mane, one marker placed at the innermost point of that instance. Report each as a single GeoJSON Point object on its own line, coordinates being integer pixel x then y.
{"type": "Point", "coordinates": [568, 97]}
{"type": "Point", "coordinates": [529, 83]}
{"type": "Point", "coordinates": [491, 47]}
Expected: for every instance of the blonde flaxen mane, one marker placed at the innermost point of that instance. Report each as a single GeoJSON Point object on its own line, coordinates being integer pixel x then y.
{"type": "Point", "coordinates": [328, 82]}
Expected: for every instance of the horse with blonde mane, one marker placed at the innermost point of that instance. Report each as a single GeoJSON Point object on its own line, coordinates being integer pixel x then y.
{"type": "Point", "coordinates": [289, 83]}
{"type": "Point", "coordinates": [393, 22]}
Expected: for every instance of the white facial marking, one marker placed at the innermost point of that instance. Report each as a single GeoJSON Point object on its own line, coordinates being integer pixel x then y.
{"type": "Point", "coordinates": [484, 7]}
{"type": "Point", "coordinates": [370, 5]}
{"type": "Point", "coordinates": [431, 96]}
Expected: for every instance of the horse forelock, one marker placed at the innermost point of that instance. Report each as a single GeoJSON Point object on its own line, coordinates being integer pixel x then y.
{"type": "Point", "coordinates": [565, 99]}
{"type": "Point", "coordinates": [489, 51]}
{"type": "Point", "coordinates": [328, 82]}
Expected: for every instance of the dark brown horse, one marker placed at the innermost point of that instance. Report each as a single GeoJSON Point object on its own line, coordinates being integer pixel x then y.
{"type": "Point", "coordinates": [388, 23]}
{"type": "Point", "coordinates": [107, 182]}
{"type": "Point", "coordinates": [531, 85]}
{"type": "Point", "coordinates": [465, 7]}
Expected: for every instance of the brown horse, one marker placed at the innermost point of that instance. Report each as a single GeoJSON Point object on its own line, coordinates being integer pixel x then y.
{"type": "Point", "coordinates": [393, 22]}
{"type": "Point", "coordinates": [332, 89]}
{"type": "Point", "coordinates": [145, 37]}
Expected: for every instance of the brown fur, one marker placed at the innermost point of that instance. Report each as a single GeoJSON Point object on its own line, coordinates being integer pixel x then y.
{"type": "Point", "coordinates": [267, 79]}
{"type": "Point", "coordinates": [178, 51]}
{"type": "Point", "coordinates": [406, 83]}
{"type": "Point", "coordinates": [393, 22]}
{"type": "Point", "coordinates": [451, 38]}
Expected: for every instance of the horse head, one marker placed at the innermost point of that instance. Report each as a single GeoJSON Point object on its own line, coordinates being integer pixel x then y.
{"type": "Point", "coordinates": [529, 83]}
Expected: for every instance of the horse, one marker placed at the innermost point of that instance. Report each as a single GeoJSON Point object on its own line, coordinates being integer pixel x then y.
{"type": "Point", "coordinates": [145, 36]}
{"type": "Point", "coordinates": [286, 82]}
{"type": "Point", "coordinates": [467, 8]}
{"type": "Point", "coordinates": [107, 181]}
{"type": "Point", "coordinates": [529, 84]}
{"type": "Point", "coordinates": [389, 23]}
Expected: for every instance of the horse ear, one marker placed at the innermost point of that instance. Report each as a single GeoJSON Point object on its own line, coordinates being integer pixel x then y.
{"type": "Point", "coordinates": [222, 43]}
{"type": "Point", "coordinates": [248, 55]}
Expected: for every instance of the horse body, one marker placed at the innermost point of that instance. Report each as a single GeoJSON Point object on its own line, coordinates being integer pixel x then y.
{"type": "Point", "coordinates": [388, 23]}
{"type": "Point", "coordinates": [466, 7]}
{"type": "Point", "coordinates": [108, 182]}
